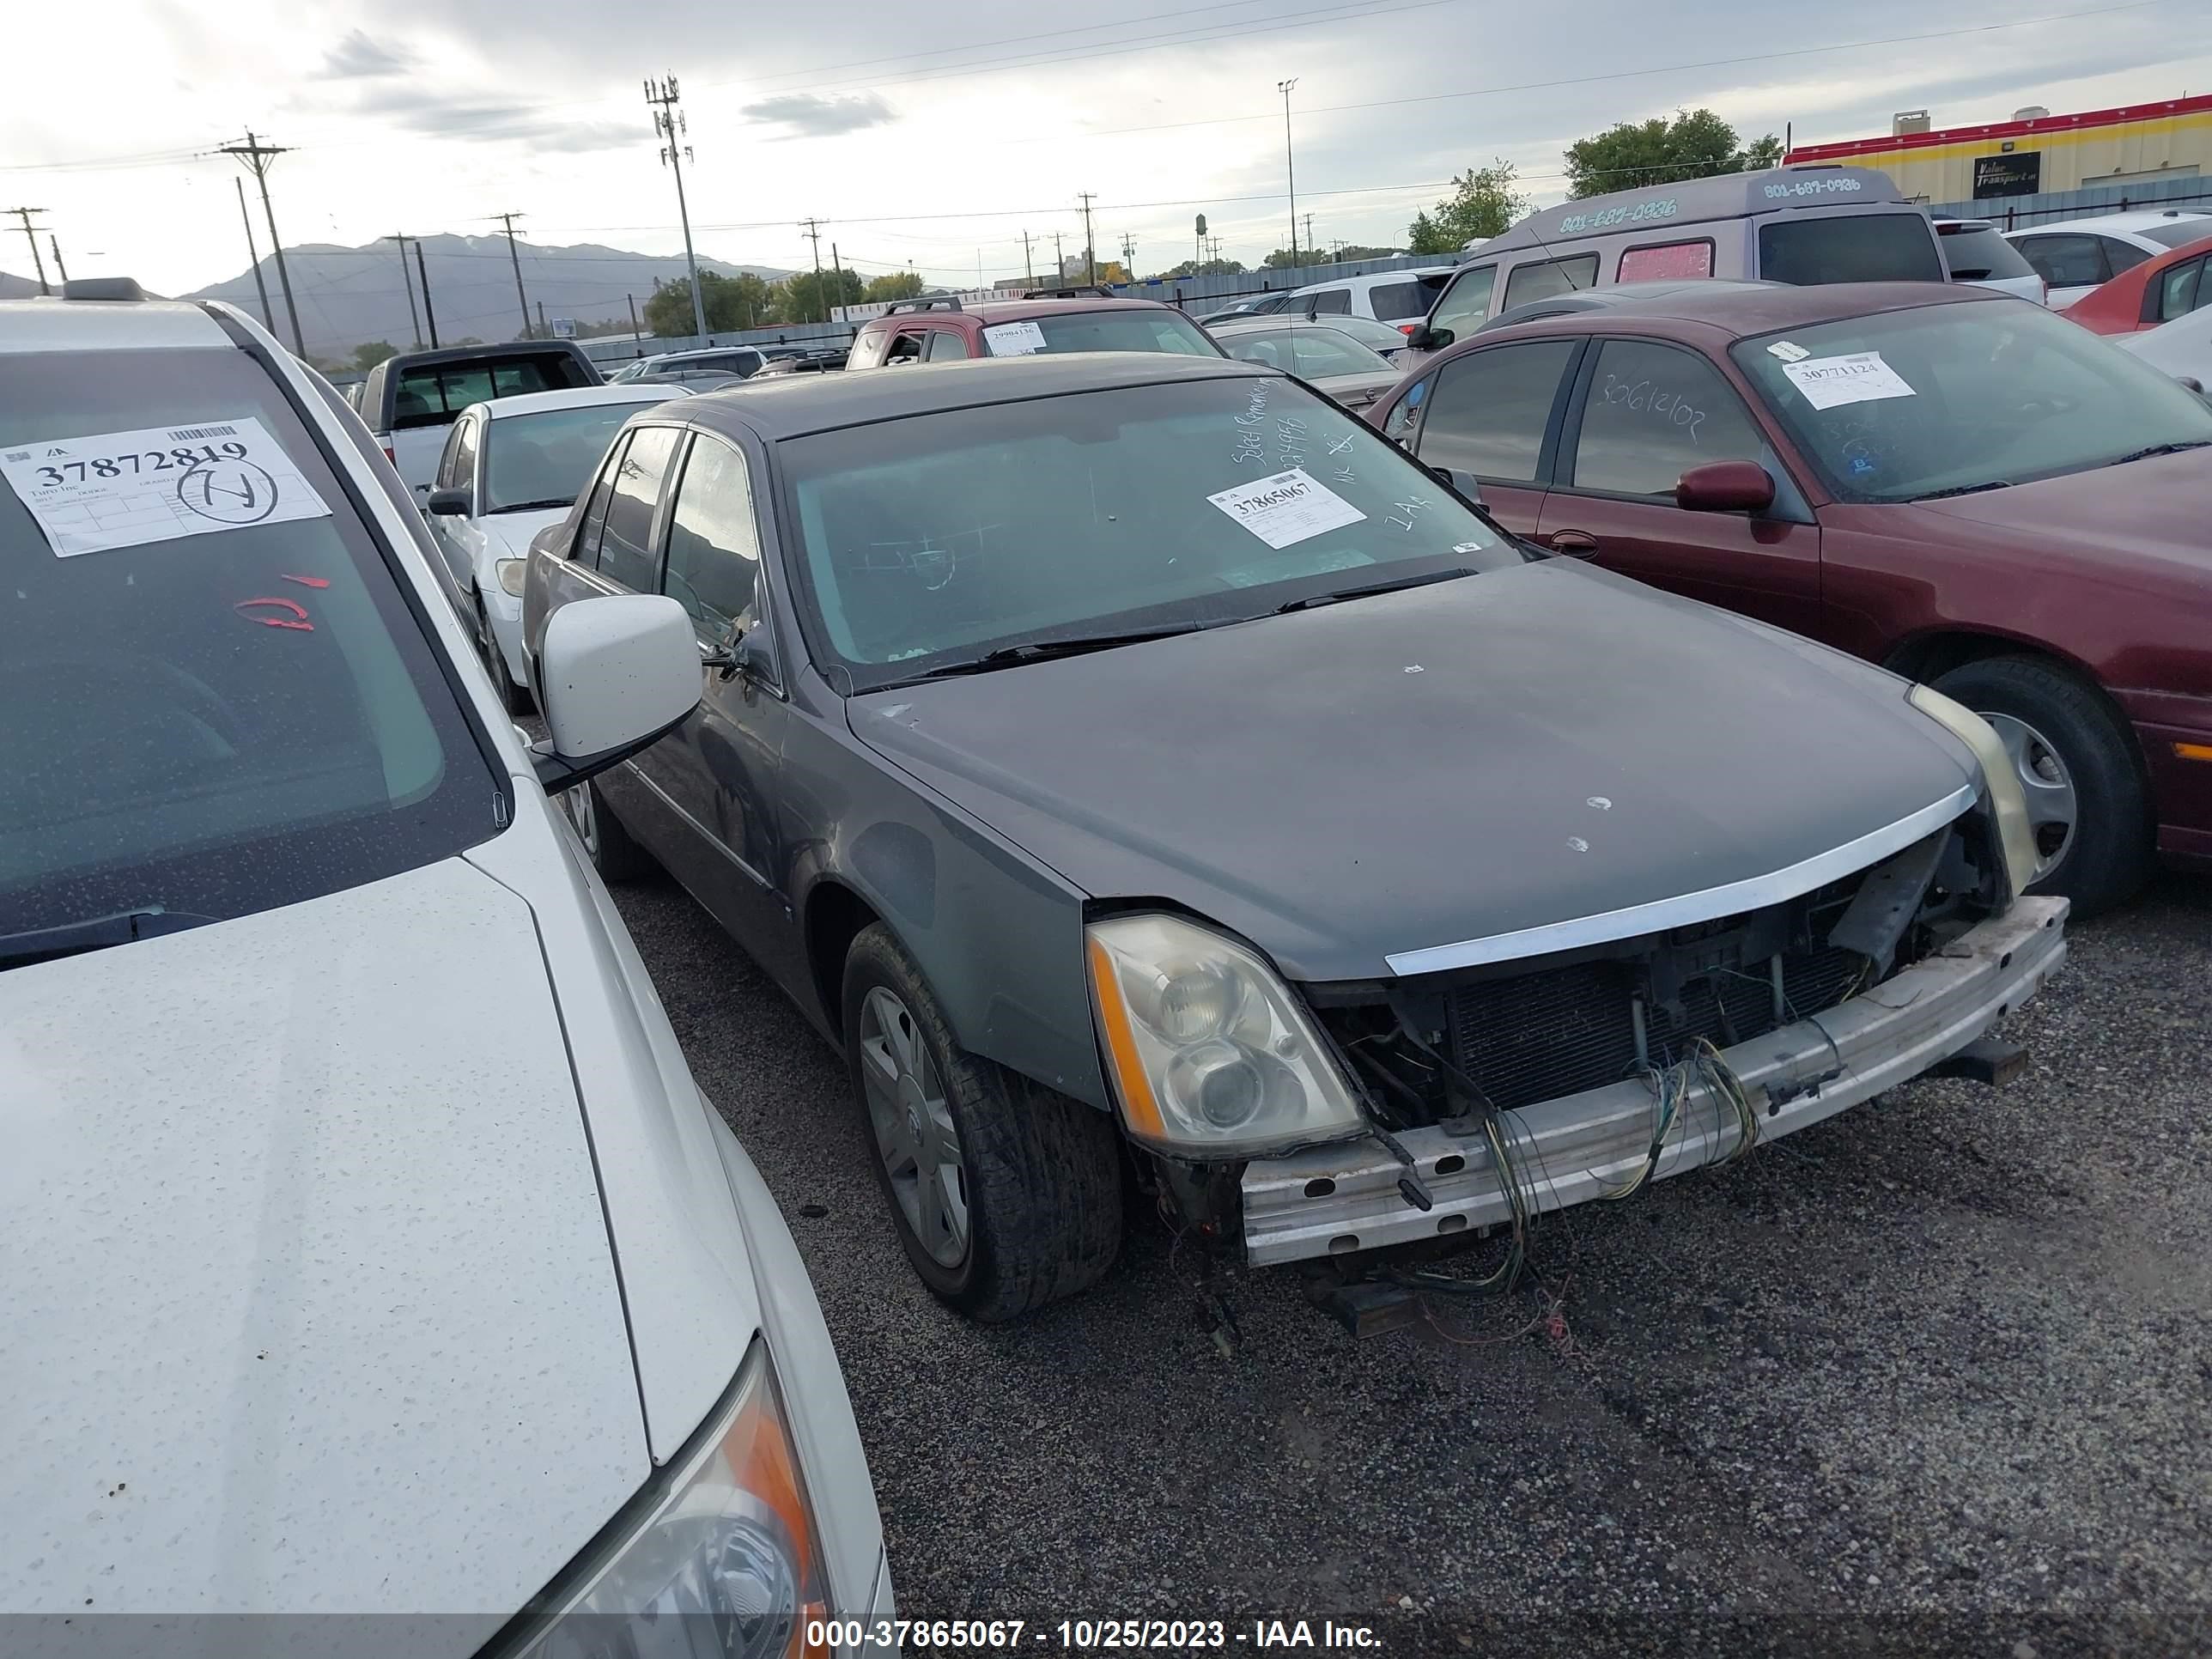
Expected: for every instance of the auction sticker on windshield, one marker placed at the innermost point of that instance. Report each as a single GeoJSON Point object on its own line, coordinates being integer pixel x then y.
{"type": "Point", "coordinates": [1856, 376]}
{"type": "Point", "coordinates": [1013, 339]}
{"type": "Point", "coordinates": [1288, 508]}
{"type": "Point", "coordinates": [122, 488]}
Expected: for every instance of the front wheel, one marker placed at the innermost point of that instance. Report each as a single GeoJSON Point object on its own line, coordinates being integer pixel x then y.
{"type": "Point", "coordinates": [606, 843]}
{"type": "Point", "coordinates": [511, 697]}
{"type": "Point", "coordinates": [1006, 1195]}
{"type": "Point", "coordinates": [2088, 801]}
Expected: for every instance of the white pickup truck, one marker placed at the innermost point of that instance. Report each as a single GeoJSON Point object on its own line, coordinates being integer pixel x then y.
{"type": "Point", "coordinates": [411, 400]}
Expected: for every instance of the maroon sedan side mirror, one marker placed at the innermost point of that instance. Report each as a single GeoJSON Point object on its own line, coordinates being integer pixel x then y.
{"type": "Point", "coordinates": [1725, 487]}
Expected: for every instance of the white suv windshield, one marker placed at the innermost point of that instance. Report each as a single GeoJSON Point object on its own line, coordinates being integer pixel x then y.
{"type": "Point", "coordinates": [941, 536]}
{"type": "Point", "coordinates": [207, 724]}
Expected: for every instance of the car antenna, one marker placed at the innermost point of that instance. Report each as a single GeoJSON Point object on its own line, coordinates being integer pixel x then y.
{"type": "Point", "coordinates": [1573, 286]}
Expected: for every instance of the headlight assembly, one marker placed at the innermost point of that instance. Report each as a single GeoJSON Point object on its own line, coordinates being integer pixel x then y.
{"type": "Point", "coordinates": [1210, 1052]}
{"type": "Point", "coordinates": [727, 1564]}
{"type": "Point", "coordinates": [2007, 799]}
{"type": "Point", "coordinates": [510, 572]}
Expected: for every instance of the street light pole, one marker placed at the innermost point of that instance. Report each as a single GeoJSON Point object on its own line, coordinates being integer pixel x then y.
{"type": "Point", "coordinates": [1290, 168]}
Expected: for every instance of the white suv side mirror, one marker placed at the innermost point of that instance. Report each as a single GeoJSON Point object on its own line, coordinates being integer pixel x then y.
{"type": "Point", "coordinates": [615, 672]}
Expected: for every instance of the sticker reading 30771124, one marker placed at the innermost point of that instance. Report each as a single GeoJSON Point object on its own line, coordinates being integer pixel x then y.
{"type": "Point", "coordinates": [1288, 508]}
{"type": "Point", "coordinates": [113, 489]}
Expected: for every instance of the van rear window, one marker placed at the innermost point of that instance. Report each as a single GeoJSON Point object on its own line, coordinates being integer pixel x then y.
{"type": "Point", "coordinates": [433, 394]}
{"type": "Point", "coordinates": [1542, 280]}
{"type": "Point", "coordinates": [1396, 302]}
{"type": "Point", "coordinates": [1849, 247]}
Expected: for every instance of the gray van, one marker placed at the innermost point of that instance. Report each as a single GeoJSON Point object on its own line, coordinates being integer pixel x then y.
{"type": "Point", "coordinates": [1801, 225]}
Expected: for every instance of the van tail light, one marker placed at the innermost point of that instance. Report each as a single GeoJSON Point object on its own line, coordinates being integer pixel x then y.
{"type": "Point", "coordinates": [1408, 328]}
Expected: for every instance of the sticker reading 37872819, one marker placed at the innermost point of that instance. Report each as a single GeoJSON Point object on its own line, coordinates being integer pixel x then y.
{"type": "Point", "coordinates": [1288, 508]}
{"type": "Point", "coordinates": [115, 489]}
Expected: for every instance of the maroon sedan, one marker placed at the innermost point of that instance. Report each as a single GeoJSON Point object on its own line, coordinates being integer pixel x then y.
{"type": "Point", "coordinates": [1957, 485]}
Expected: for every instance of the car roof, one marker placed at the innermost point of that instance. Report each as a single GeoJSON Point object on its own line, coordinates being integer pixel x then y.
{"type": "Point", "coordinates": [1376, 278]}
{"type": "Point", "coordinates": [1275, 322]}
{"type": "Point", "coordinates": [690, 352]}
{"type": "Point", "coordinates": [791, 405]}
{"type": "Point", "coordinates": [1698, 201]}
{"type": "Point", "coordinates": [2120, 221]}
{"type": "Point", "coordinates": [56, 325]}
{"type": "Point", "coordinates": [1009, 310]}
{"type": "Point", "coordinates": [1737, 310]}
{"type": "Point", "coordinates": [578, 397]}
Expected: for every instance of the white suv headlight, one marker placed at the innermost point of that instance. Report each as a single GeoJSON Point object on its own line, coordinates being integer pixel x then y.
{"type": "Point", "coordinates": [728, 1564]}
{"type": "Point", "coordinates": [2015, 835]}
{"type": "Point", "coordinates": [1209, 1051]}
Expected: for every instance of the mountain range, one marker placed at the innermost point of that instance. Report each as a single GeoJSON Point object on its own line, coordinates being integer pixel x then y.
{"type": "Point", "coordinates": [351, 295]}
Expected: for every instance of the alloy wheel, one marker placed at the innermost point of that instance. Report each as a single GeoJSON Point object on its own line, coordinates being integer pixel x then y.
{"type": "Point", "coordinates": [914, 1133]}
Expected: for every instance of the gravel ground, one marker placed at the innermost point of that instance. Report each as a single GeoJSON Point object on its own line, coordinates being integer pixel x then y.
{"type": "Point", "coordinates": [1933, 1377]}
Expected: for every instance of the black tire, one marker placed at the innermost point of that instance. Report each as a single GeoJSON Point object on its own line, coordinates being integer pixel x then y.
{"type": "Point", "coordinates": [2110, 853]}
{"type": "Point", "coordinates": [606, 843]}
{"type": "Point", "coordinates": [1042, 1173]}
{"type": "Point", "coordinates": [511, 697]}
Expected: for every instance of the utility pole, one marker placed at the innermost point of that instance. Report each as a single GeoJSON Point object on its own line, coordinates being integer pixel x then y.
{"type": "Point", "coordinates": [1090, 247]}
{"type": "Point", "coordinates": [1059, 260]}
{"type": "Point", "coordinates": [515, 259]}
{"type": "Point", "coordinates": [257, 155]}
{"type": "Point", "coordinates": [637, 328]}
{"type": "Point", "coordinates": [837, 276]}
{"type": "Point", "coordinates": [1310, 241]}
{"type": "Point", "coordinates": [1028, 268]}
{"type": "Point", "coordinates": [813, 229]}
{"type": "Point", "coordinates": [406, 280]}
{"type": "Point", "coordinates": [668, 122]}
{"type": "Point", "coordinates": [1128, 256]}
{"type": "Point", "coordinates": [253, 258]}
{"type": "Point", "coordinates": [1198, 255]}
{"type": "Point", "coordinates": [1290, 168]}
{"type": "Point", "coordinates": [429, 313]}
{"type": "Point", "coordinates": [61, 271]}
{"type": "Point", "coordinates": [31, 235]}
{"type": "Point", "coordinates": [544, 332]}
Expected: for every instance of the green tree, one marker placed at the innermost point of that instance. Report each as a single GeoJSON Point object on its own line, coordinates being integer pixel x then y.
{"type": "Point", "coordinates": [731, 303]}
{"type": "Point", "coordinates": [898, 285]}
{"type": "Point", "coordinates": [369, 356]}
{"type": "Point", "coordinates": [1203, 268]}
{"type": "Point", "coordinates": [1483, 202]}
{"type": "Point", "coordinates": [1696, 144]}
{"type": "Point", "coordinates": [806, 297]}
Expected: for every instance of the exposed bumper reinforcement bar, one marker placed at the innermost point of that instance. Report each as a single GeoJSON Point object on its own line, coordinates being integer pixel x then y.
{"type": "Point", "coordinates": [1333, 1200]}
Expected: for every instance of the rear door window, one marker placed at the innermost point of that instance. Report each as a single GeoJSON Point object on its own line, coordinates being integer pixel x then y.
{"type": "Point", "coordinates": [945, 346]}
{"type": "Point", "coordinates": [1489, 411]}
{"type": "Point", "coordinates": [1467, 302]}
{"type": "Point", "coordinates": [626, 552]}
{"type": "Point", "coordinates": [1329, 302]}
{"type": "Point", "coordinates": [1543, 279]}
{"type": "Point", "coordinates": [2066, 261]}
{"type": "Point", "coordinates": [1651, 413]}
{"type": "Point", "coordinates": [1849, 247]}
{"type": "Point", "coordinates": [2121, 256]}
{"type": "Point", "coordinates": [2180, 290]}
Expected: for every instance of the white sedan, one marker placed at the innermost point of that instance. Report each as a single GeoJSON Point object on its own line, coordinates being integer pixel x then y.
{"type": "Point", "coordinates": [370, 1252]}
{"type": "Point", "coordinates": [512, 466]}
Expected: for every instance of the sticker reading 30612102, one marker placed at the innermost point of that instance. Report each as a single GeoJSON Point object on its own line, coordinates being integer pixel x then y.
{"type": "Point", "coordinates": [113, 489]}
{"type": "Point", "coordinates": [1288, 508]}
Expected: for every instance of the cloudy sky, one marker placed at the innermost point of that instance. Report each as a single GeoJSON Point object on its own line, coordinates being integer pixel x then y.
{"type": "Point", "coordinates": [940, 142]}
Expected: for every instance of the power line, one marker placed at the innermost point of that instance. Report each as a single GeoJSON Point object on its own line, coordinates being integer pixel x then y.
{"type": "Point", "coordinates": [257, 155]}
{"type": "Point", "coordinates": [31, 235]}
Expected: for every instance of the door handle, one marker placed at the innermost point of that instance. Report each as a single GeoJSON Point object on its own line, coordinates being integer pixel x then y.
{"type": "Point", "coordinates": [1575, 544]}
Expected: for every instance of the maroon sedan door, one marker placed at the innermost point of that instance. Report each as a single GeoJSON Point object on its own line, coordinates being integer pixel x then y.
{"type": "Point", "coordinates": [1488, 416]}
{"type": "Point", "coordinates": [1642, 414]}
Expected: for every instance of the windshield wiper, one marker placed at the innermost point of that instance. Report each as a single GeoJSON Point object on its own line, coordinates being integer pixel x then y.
{"type": "Point", "coordinates": [1066, 645]}
{"type": "Point", "coordinates": [1334, 594]}
{"type": "Point", "coordinates": [74, 938]}
{"type": "Point", "coordinates": [533, 506]}
{"type": "Point", "coordinates": [1965, 489]}
{"type": "Point", "coordinates": [2161, 449]}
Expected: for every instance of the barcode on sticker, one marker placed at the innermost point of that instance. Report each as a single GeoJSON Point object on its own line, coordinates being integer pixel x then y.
{"type": "Point", "coordinates": [184, 432]}
{"type": "Point", "coordinates": [19, 455]}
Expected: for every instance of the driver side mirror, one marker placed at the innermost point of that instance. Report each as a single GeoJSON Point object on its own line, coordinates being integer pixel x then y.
{"type": "Point", "coordinates": [742, 655]}
{"type": "Point", "coordinates": [2190, 383]}
{"type": "Point", "coordinates": [1426, 339]}
{"type": "Point", "coordinates": [613, 674]}
{"type": "Point", "coordinates": [1465, 488]}
{"type": "Point", "coordinates": [1725, 487]}
{"type": "Point", "coordinates": [450, 503]}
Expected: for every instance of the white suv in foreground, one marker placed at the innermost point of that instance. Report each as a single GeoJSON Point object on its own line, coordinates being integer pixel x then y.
{"type": "Point", "coordinates": [369, 1248]}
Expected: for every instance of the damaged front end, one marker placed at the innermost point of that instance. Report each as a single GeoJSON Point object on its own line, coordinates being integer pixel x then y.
{"type": "Point", "coordinates": [1497, 1089]}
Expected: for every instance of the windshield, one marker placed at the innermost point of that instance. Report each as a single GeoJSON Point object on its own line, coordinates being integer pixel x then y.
{"type": "Point", "coordinates": [1849, 247]}
{"type": "Point", "coordinates": [1979, 253]}
{"type": "Point", "coordinates": [1127, 328]}
{"type": "Point", "coordinates": [2178, 233]}
{"type": "Point", "coordinates": [1309, 352]}
{"type": "Point", "coordinates": [216, 699]}
{"type": "Point", "coordinates": [937, 538]}
{"type": "Point", "coordinates": [543, 460]}
{"type": "Point", "coordinates": [1942, 398]}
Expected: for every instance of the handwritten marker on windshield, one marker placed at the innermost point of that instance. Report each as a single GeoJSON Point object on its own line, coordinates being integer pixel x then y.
{"type": "Point", "coordinates": [308, 581]}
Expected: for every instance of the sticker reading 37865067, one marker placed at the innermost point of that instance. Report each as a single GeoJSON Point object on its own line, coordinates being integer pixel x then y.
{"type": "Point", "coordinates": [1288, 508]}
{"type": "Point", "coordinates": [123, 489]}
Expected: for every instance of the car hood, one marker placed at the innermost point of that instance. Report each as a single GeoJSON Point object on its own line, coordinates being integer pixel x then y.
{"type": "Point", "coordinates": [1538, 745]}
{"type": "Point", "coordinates": [509, 534]}
{"type": "Point", "coordinates": [2141, 524]}
{"type": "Point", "coordinates": [306, 1280]}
